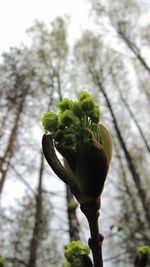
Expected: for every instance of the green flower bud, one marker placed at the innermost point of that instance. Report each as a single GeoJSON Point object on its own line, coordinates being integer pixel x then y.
{"type": "Point", "coordinates": [83, 95]}
{"type": "Point", "coordinates": [69, 139]}
{"type": "Point", "coordinates": [76, 108]}
{"type": "Point", "coordinates": [50, 121]}
{"type": "Point", "coordinates": [95, 115]}
{"type": "Point", "coordinates": [67, 118]}
{"type": "Point", "coordinates": [65, 104]}
{"type": "Point", "coordinates": [58, 136]}
{"type": "Point", "coordinates": [73, 129]}
{"type": "Point", "coordinates": [87, 104]}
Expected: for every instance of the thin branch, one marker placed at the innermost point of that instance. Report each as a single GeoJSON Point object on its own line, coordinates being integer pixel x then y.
{"type": "Point", "coordinates": [23, 180]}
{"type": "Point", "coordinates": [91, 211]}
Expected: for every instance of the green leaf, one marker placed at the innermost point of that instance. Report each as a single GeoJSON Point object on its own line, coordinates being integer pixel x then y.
{"type": "Point", "coordinates": [106, 140]}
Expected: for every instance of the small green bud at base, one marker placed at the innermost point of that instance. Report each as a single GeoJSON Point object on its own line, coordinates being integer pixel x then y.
{"type": "Point", "coordinates": [75, 252]}
{"type": "Point", "coordinates": [2, 260]}
{"type": "Point", "coordinates": [144, 249]}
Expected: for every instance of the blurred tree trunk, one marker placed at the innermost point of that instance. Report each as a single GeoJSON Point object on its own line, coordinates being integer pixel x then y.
{"type": "Point", "coordinates": [38, 218]}
{"type": "Point", "coordinates": [4, 118]}
{"type": "Point", "coordinates": [132, 168]}
{"type": "Point", "coordinates": [136, 122]}
{"type": "Point", "coordinates": [9, 151]}
{"type": "Point", "coordinates": [127, 194]}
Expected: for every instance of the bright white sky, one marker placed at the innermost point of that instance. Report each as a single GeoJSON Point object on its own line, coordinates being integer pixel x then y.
{"type": "Point", "coordinates": [18, 15]}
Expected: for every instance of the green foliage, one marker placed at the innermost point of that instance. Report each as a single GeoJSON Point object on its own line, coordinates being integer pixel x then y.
{"type": "Point", "coordinates": [75, 121]}
{"type": "Point", "coordinates": [74, 253]}
{"type": "Point", "coordinates": [144, 249]}
{"type": "Point", "coordinates": [2, 260]}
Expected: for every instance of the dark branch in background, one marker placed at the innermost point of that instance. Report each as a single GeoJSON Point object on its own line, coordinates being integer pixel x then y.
{"type": "Point", "coordinates": [4, 119]}
{"type": "Point", "coordinates": [131, 112]}
{"type": "Point", "coordinates": [129, 159]}
{"type": "Point", "coordinates": [136, 122]}
{"type": "Point", "coordinates": [128, 190]}
{"type": "Point", "coordinates": [22, 179]}
{"type": "Point", "coordinates": [133, 47]}
{"type": "Point", "coordinates": [115, 256]}
{"type": "Point", "coordinates": [120, 28]}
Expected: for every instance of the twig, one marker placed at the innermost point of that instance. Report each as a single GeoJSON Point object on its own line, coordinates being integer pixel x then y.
{"type": "Point", "coordinates": [91, 211]}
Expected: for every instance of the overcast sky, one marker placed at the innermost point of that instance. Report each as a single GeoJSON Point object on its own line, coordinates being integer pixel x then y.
{"type": "Point", "coordinates": [18, 15]}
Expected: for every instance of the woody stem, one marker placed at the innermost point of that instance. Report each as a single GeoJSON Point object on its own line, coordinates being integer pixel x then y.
{"type": "Point", "coordinates": [91, 211]}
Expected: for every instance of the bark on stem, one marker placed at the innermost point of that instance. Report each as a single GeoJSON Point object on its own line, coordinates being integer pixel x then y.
{"type": "Point", "coordinates": [91, 211]}
{"type": "Point", "coordinates": [141, 260]}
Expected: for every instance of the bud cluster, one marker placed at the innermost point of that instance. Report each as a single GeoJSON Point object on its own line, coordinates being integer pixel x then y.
{"type": "Point", "coordinates": [75, 121]}
{"type": "Point", "coordinates": [84, 143]}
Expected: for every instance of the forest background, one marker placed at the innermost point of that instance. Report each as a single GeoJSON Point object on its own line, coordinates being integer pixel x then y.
{"type": "Point", "coordinates": [110, 58]}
